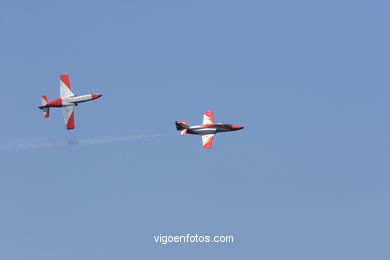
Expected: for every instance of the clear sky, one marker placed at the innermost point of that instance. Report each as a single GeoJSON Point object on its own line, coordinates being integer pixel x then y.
{"type": "Point", "coordinates": [306, 179]}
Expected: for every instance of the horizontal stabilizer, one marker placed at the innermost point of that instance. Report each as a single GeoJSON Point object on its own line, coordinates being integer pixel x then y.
{"type": "Point", "coordinates": [44, 100]}
{"type": "Point", "coordinates": [45, 112]}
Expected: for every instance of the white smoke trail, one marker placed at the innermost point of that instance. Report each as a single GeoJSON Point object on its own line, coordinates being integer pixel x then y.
{"type": "Point", "coordinates": [41, 144]}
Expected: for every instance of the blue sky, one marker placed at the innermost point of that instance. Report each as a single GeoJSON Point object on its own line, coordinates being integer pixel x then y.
{"type": "Point", "coordinates": [305, 179]}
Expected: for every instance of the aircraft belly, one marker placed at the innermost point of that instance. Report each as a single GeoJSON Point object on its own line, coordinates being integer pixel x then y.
{"type": "Point", "coordinates": [223, 130]}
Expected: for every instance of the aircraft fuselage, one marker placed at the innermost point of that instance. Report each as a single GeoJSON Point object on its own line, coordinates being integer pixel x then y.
{"type": "Point", "coordinates": [71, 100]}
{"type": "Point", "coordinates": [212, 129]}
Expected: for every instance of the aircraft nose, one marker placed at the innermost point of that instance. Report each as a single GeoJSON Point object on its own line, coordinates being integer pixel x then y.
{"type": "Point", "coordinates": [95, 96]}
{"type": "Point", "coordinates": [237, 127]}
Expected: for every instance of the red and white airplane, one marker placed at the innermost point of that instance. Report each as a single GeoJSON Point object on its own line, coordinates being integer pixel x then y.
{"type": "Point", "coordinates": [207, 130]}
{"type": "Point", "coordinates": [67, 101]}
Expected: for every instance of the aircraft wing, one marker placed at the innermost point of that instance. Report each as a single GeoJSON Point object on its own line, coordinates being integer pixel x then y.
{"type": "Point", "coordinates": [68, 112]}
{"type": "Point", "coordinates": [65, 89]}
{"type": "Point", "coordinates": [207, 141]}
{"type": "Point", "coordinates": [208, 118]}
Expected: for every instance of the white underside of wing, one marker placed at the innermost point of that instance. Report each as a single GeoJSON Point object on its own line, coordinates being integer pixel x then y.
{"type": "Point", "coordinates": [64, 90]}
{"type": "Point", "coordinates": [68, 112]}
{"type": "Point", "coordinates": [208, 118]}
{"type": "Point", "coordinates": [207, 140]}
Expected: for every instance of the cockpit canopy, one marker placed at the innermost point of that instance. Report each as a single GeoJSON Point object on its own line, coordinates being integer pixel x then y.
{"type": "Point", "coordinates": [224, 125]}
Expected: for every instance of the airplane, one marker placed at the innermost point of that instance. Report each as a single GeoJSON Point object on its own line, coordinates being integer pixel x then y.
{"type": "Point", "coordinates": [207, 130]}
{"type": "Point", "coordinates": [67, 101]}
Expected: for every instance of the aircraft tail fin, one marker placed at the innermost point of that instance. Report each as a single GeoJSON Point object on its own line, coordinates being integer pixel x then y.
{"type": "Point", "coordinates": [182, 126]}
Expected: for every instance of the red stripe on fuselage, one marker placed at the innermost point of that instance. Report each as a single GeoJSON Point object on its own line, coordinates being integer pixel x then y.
{"type": "Point", "coordinates": [55, 103]}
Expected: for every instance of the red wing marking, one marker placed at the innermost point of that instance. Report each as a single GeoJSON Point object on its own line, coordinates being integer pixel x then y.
{"type": "Point", "coordinates": [208, 118]}
{"type": "Point", "coordinates": [207, 141]}
{"type": "Point", "coordinates": [68, 112]}
{"type": "Point", "coordinates": [65, 79]}
{"type": "Point", "coordinates": [65, 89]}
{"type": "Point", "coordinates": [70, 123]}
